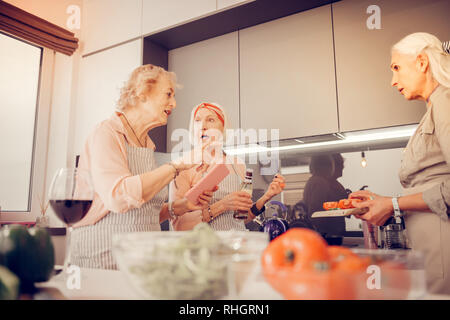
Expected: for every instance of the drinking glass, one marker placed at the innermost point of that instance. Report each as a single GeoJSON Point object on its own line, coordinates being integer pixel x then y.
{"type": "Point", "coordinates": [71, 194]}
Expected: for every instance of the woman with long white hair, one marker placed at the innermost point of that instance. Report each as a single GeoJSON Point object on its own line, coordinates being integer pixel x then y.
{"type": "Point", "coordinates": [209, 124]}
{"type": "Point", "coordinates": [421, 71]}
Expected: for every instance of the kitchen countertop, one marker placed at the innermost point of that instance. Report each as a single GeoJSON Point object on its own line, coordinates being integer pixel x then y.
{"type": "Point", "coordinates": [98, 284]}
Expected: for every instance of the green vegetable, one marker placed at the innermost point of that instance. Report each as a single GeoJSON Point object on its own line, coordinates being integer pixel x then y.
{"type": "Point", "coordinates": [9, 285]}
{"type": "Point", "coordinates": [188, 268]}
{"type": "Point", "coordinates": [28, 252]}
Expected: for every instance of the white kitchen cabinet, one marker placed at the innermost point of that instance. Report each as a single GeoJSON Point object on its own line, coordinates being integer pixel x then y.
{"type": "Point", "coordinates": [366, 98]}
{"type": "Point", "coordinates": [109, 22]}
{"type": "Point", "coordinates": [100, 79]}
{"type": "Point", "coordinates": [223, 4]}
{"type": "Point", "coordinates": [209, 72]}
{"type": "Point", "coordinates": [287, 75]}
{"type": "Point", "coordinates": [159, 15]}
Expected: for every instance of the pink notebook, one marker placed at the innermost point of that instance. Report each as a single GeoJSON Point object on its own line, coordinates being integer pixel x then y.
{"type": "Point", "coordinates": [208, 182]}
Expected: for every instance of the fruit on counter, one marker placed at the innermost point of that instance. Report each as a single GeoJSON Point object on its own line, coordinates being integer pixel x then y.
{"type": "Point", "coordinates": [300, 265]}
{"type": "Point", "coordinates": [9, 284]}
{"type": "Point", "coordinates": [294, 251]}
{"type": "Point", "coordinates": [342, 258]}
{"type": "Point", "coordinates": [28, 252]}
{"type": "Point", "coordinates": [297, 249]}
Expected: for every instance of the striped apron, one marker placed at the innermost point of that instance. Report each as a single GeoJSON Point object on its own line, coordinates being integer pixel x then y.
{"type": "Point", "coordinates": [225, 221]}
{"type": "Point", "coordinates": [91, 245]}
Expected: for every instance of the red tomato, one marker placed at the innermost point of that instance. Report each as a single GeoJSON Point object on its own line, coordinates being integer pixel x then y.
{"type": "Point", "coordinates": [298, 249]}
{"type": "Point", "coordinates": [330, 205]}
{"type": "Point", "coordinates": [319, 285]}
{"type": "Point", "coordinates": [295, 251]}
{"type": "Point", "coordinates": [345, 204]}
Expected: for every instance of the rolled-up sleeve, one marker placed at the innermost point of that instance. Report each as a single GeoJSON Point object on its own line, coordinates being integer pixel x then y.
{"type": "Point", "coordinates": [438, 199]}
{"type": "Point", "coordinates": [113, 181]}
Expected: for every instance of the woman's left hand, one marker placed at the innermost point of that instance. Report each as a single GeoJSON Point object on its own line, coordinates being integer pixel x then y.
{"type": "Point", "coordinates": [203, 201]}
{"type": "Point", "coordinates": [205, 198]}
{"type": "Point", "coordinates": [380, 208]}
{"type": "Point", "coordinates": [276, 186]}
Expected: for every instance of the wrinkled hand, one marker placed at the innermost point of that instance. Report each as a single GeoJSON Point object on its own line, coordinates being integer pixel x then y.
{"type": "Point", "coordinates": [239, 200]}
{"type": "Point", "coordinates": [205, 198]}
{"type": "Point", "coordinates": [276, 186]}
{"type": "Point", "coordinates": [380, 208]}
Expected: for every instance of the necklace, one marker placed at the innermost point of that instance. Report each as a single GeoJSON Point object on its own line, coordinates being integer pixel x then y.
{"type": "Point", "coordinates": [132, 130]}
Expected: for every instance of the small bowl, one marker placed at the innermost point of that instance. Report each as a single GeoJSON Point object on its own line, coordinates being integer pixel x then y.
{"type": "Point", "coordinates": [158, 267]}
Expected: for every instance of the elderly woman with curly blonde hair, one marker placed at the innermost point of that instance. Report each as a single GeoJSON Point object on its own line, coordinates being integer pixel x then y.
{"type": "Point", "coordinates": [130, 190]}
{"type": "Point", "coordinates": [420, 64]}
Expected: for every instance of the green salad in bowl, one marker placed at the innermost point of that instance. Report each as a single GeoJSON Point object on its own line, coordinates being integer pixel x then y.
{"type": "Point", "coordinates": [188, 265]}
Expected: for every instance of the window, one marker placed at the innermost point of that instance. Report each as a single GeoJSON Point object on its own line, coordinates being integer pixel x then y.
{"type": "Point", "coordinates": [23, 83]}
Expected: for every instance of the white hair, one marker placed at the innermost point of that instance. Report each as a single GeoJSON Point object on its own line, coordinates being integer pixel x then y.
{"type": "Point", "coordinates": [226, 122]}
{"type": "Point", "coordinates": [422, 42]}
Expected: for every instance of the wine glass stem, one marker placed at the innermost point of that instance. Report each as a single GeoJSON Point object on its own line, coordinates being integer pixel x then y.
{"type": "Point", "coordinates": [68, 248]}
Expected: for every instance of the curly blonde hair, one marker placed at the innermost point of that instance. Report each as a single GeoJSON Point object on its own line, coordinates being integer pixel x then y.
{"type": "Point", "coordinates": [141, 82]}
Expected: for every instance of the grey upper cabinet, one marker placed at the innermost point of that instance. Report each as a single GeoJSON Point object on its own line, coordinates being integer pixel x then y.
{"type": "Point", "coordinates": [208, 72]}
{"type": "Point", "coordinates": [287, 75]}
{"type": "Point", "coordinates": [365, 96]}
{"type": "Point", "coordinates": [159, 15]}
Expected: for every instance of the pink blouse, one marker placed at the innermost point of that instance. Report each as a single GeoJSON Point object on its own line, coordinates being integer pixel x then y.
{"type": "Point", "coordinates": [184, 182]}
{"type": "Point", "coordinates": [105, 157]}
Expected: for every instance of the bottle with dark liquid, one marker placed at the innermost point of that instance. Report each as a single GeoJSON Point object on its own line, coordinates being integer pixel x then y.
{"type": "Point", "coordinates": [247, 186]}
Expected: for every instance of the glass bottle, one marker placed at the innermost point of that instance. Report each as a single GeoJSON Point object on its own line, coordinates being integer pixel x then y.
{"type": "Point", "coordinates": [247, 186]}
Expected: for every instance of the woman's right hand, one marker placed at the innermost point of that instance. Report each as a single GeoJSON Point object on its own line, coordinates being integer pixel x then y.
{"type": "Point", "coordinates": [363, 195]}
{"type": "Point", "coordinates": [239, 200]}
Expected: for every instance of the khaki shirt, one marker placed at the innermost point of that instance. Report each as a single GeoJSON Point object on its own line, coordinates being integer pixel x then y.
{"type": "Point", "coordinates": [426, 160]}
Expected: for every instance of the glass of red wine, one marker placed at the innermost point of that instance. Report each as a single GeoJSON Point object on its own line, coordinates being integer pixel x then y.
{"type": "Point", "coordinates": [71, 194]}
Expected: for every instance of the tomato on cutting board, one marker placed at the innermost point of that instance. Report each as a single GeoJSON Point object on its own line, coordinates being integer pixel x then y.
{"type": "Point", "coordinates": [345, 204]}
{"type": "Point", "coordinates": [330, 205]}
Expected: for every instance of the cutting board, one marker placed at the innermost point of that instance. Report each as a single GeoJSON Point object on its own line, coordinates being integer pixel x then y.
{"type": "Point", "coordinates": [339, 212]}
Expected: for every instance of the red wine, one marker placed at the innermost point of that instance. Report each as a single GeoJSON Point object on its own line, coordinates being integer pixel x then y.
{"type": "Point", "coordinates": [71, 211]}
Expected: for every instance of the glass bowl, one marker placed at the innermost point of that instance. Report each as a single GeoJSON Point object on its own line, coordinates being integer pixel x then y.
{"type": "Point", "coordinates": [392, 275]}
{"type": "Point", "coordinates": [377, 275]}
{"type": "Point", "coordinates": [179, 265]}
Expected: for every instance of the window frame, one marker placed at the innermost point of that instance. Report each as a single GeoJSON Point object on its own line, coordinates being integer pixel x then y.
{"type": "Point", "coordinates": [40, 140]}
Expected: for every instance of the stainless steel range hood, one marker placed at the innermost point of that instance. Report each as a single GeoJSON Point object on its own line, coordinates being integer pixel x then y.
{"type": "Point", "coordinates": [374, 139]}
